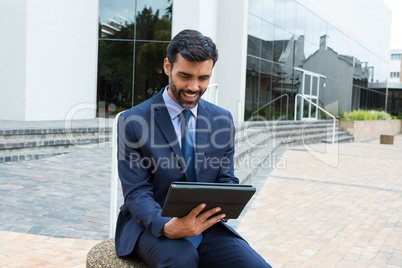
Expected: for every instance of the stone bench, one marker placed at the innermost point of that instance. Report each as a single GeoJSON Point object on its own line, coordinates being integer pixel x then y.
{"type": "Point", "coordinates": [104, 255]}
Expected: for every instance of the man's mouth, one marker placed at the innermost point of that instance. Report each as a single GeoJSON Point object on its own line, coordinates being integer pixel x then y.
{"type": "Point", "coordinates": [190, 95]}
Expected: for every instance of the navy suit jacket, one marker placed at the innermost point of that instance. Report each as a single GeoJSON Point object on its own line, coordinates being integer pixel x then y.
{"type": "Point", "coordinates": [150, 159]}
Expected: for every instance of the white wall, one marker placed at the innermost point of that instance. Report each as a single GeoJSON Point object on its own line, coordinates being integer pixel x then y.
{"type": "Point", "coordinates": [61, 58]}
{"type": "Point", "coordinates": [12, 59]}
{"type": "Point", "coordinates": [225, 21]}
{"type": "Point", "coordinates": [51, 59]}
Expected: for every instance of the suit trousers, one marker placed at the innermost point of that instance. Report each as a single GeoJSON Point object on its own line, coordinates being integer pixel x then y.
{"type": "Point", "coordinates": [219, 248]}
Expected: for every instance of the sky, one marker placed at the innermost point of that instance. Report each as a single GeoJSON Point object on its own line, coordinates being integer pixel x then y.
{"type": "Point", "coordinates": [396, 30]}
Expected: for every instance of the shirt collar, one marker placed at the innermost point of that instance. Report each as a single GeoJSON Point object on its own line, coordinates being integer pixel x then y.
{"type": "Point", "coordinates": [173, 107]}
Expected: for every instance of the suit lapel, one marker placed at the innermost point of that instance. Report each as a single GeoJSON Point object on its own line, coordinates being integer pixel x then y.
{"type": "Point", "coordinates": [202, 134]}
{"type": "Point", "coordinates": [163, 121]}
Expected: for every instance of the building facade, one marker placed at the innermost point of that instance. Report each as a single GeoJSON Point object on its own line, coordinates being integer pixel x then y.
{"type": "Point", "coordinates": [395, 66]}
{"type": "Point", "coordinates": [83, 60]}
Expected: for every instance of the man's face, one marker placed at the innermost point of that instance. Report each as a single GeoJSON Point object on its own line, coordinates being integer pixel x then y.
{"type": "Point", "coordinates": [188, 80]}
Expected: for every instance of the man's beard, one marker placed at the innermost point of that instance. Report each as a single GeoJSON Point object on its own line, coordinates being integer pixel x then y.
{"type": "Point", "coordinates": [177, 93]}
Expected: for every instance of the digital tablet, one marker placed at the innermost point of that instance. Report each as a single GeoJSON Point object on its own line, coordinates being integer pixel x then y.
{"type": "Point", "coordinates": [182, 197]}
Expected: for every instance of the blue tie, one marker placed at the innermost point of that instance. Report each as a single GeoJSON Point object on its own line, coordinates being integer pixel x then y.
{"type": "Point", "coordinates": [187, 147]}
{"type": "Point", "coordinates": [188, 155]}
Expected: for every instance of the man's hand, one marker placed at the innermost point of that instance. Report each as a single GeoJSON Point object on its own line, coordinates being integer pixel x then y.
{"type": "Point", "coordinates": [192, 224]}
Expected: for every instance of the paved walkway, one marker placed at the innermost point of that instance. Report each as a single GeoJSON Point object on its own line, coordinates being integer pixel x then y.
{"type": "Point", "coordinates": [338, 208]}
{"type": "Point", "coordinates": [331, 206]}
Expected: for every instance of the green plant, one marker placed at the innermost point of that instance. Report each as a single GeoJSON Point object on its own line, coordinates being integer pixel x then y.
{"type": "Point", "coordinates": [359, 115]}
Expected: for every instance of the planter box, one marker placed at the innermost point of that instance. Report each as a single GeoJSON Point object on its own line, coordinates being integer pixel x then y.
{"type": "Point", "coordinates": [371, 129]}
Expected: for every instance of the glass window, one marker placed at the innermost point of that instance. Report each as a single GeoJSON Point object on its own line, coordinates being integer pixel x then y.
{"type": "Point", "coordinates": [280, 13]}
{"type": "Point", "coordinates": [255, 7]}
{"type": "Point", "coordinates": [254, 35]}
{"type": "Point", "coordinates": [268, 10]}
{"type": "Point", "coordinates": [124, 26]}
{"type": "Point", "coordinates": [267, 43]}
{"type": "Point", "coordinates": [153, 20]}
{"type": "Point", "coordinates": [116, 19]}
{"type": "Point", "coordinates": [252, 86]}
{"type": "Point", "coordinates": [290, 17]}
{"type": "Point", "coordinates": [115, 72]}
{"type": "Point", "coordinates": [300, 21]}
{"type": "Point", "coordinates": [309, 27]}
{"type": "Point", "coordinates": [149, 75]}
{"type": "Point", "coordinates": [395, 56]}
{"type": "Point", "coordinates": [316, 30]}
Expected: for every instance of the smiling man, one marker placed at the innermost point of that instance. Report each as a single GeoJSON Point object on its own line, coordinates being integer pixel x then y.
{"type": "Point", "coordinates": [177, 136]}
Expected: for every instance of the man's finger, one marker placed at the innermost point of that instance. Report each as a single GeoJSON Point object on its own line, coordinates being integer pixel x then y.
{"type": "Point", "coordinates": [207, 214]}
{"type": "Point", "coordinates": [195, 211]}
{"type": "Point", "coordinates": [211, 221]}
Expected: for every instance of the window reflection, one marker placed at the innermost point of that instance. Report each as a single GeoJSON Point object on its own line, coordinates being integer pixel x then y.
{"type": "Point", "coordinates": [268, 10]}
{"type": "Point", "coordinates": [149, 75]}
{"type": "Point", "coordinates": [298, 38]}
{"type": "Point", "coordinates": [115, 65]}
{"type": "Point", "coordinates": [255, 7]}
{"type": "Point", "coordinates": [118, 45]}
{"type": "Point", "coordinates": [153, 20]}
{"type": "Point", "coordinates": [280, 13]}
{"type": "Point", "coordinates": [116, 19]}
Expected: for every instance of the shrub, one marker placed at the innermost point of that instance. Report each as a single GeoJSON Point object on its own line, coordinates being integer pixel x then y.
{"type": "Point", "coordinates": [365, 115]}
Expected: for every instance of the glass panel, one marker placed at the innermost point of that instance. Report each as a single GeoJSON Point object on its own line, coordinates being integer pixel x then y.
{"type": "Point", "coordinates": [255, 7]}
{"type": "Point", "coordinates": [116, 19]}
{"type": "Point", "coordinates": [267, 46]}
{"type": "Point", "coordinates": [115, 71]}
{"type": "Point", "coordinates": [290, 17]}
{"type": "Point", "coordinates": [315, 84]}
{"type": "Point", "coordinates": [309, 50]}
{"type": "Point", "coordinates": [309, 28]}
{"type": "Point", "coordinates": [306, 107]}
{"type": "Point", "coordinates": [252, 80]}
{"type": "Point", "coordinates": [314, 108]}
{"type": "Point", "coordinates": [307, 84]}
{"type": "Point", "coordinates": [265, 92]}
{"type": "Point", "coordinates": [254, 36]}
{"type": "Point", "coordinates": [268, 7]}
{"type": "Point", "coordinates": [280, 13]}
{"type": "Point", "coordinates": [149, 75]}
{"type": "Point", "coordinates": [300, 21]}
{"type": "Point", "coordinates": [316, 30]}
{"type": "Point", "coordinates": [323, 27]}
{"type": "Point", "coordinates": [279, 43]}
{"type": "Point", "coordinates": [154, 20]}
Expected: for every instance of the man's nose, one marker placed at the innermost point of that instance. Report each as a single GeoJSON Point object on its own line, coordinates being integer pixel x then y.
{"type": "Point", "coordinates": [193, 85]}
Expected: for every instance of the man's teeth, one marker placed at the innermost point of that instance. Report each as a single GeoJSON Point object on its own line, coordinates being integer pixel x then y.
{"type": "Point", "coordinates": [189, 95]}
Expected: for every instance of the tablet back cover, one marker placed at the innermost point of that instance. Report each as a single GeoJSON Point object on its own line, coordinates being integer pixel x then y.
{"type": "Point", "coordinates": [184, 196]}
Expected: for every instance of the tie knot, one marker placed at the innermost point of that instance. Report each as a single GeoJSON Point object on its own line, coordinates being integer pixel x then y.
{"type": "Point", "coordinates": [186, 113]}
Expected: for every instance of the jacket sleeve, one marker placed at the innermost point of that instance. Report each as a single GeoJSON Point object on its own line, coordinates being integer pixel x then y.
{"type": "Point", "coordinates": [135, 178]}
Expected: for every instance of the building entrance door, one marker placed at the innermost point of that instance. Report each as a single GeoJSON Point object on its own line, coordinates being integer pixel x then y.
{"type": "Point", "coordinates": [310, 89]}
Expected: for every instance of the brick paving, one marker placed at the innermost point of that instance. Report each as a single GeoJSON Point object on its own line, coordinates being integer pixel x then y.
{"type": "Point", "coordinates": [339, 208]}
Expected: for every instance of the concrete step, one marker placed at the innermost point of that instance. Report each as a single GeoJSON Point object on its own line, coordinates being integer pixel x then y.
{"type": "Point", "coordinates": [51, 143]}
{"type": "Point", "coordinates": [258, 149]}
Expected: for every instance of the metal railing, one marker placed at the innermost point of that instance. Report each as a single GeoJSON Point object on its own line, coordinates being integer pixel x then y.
{"type": "Point", "coordinates": [269, 103]}
{"type": "Point", "coordinates": [333, 117]}
{"type": "Point", "coordinates": [212, 93]}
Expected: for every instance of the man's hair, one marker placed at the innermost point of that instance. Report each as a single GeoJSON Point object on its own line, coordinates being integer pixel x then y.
{"type": "Point", "coordinates": [192, 46]}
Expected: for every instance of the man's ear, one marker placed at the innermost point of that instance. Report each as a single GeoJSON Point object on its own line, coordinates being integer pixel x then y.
{"type": "Point", "coordinates": [166, 66]}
